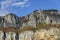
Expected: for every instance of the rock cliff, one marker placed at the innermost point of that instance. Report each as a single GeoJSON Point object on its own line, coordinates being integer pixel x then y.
{"type": "Point", "coordinates": [41, 34]}
{"type": "Point", "coordinates": [39, 25]}
{"type": "Point", "coordinates": [33, 19]}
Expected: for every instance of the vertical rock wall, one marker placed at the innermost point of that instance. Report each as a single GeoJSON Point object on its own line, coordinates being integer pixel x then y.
{"type": "Point", "coordinates": [27, 35]}
{"type": "Point", "coordinates": [41, 34]}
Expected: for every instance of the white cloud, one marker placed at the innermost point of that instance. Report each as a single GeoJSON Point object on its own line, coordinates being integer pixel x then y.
{"type": "Point", "coordinates": [19, 3]}
{"type": "Point", "coordinates": [4, 5]}
{"type": "Point", "coordinates": [11, 3]}
{"type": "Point", "coordinates": [7, 3]}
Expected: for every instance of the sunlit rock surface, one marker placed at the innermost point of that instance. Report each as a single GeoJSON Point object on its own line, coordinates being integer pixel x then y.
{"type": "Point", "coordinates": [1, 35]}
{"type": "Point", "coordinates": [10, 36]}
{"type": "Point", "coordinates": [50, 34]}
{"type": "Point", "coordinates": [27, 35]}
{"type": "Point", "coordinates": [40, 34]}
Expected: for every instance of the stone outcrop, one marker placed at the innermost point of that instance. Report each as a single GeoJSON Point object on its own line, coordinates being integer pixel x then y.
{"type": "Point", "coordinates": [50, 34]}
{"type": "Point", "coordinates": [10, 36]}
{"type": "Point", "coordinates": [1, 35]}
{"type": "Point", "coordinates": [10, 20]}
{"type": "Point", "coordinates": [27, 35]}
{"type": "Point", "coordinates": [40, 34]}
{"type": "Point", "coordinates": [44, 16]}
{"type": "Point", "coordinates": [33, 19]}
{"type": "Point", "coordinates": [39, 25]}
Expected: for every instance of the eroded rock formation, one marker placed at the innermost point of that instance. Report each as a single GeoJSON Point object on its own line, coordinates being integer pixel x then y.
{"type": "Point", "coordinates": [39, 25]}
{"type": "Point", "coordinates": [41, 34]}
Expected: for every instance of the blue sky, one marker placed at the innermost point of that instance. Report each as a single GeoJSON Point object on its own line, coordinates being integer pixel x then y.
{"type": "Point", "coordinates": [24, 7]}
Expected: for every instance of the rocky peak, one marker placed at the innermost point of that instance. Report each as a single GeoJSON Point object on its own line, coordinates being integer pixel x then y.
{"type": "Point", "coordinates": [31, 30]}
{"type": "Point", "coordinates": [46, 16]}
{"type": "Point", "coordinates": [9, 20]}
{"type": "Point", "coordinates": [51, 16]}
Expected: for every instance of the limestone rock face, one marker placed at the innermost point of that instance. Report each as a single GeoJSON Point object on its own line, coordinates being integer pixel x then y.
{"type": "Point", "coordinates": [11, 20]}
{"type": "Point", "coordinates": [1, 35]}
{"type": "Point", "coordinates": [50, 34]}
{"type": "Point", "coordinates": [10, 36]}
{"type": "Point", "coordinates": [41, 34]}
{"type": "Point", "coordinates": [33, 19]}
{"type": "Point", "coordinates": [27, 35]}
{"type": "Point", "coordinates": [42, 16]}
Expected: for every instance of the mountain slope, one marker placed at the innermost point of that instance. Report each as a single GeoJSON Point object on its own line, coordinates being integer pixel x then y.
{"type": "Point", "coordinates": [33, 19]}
